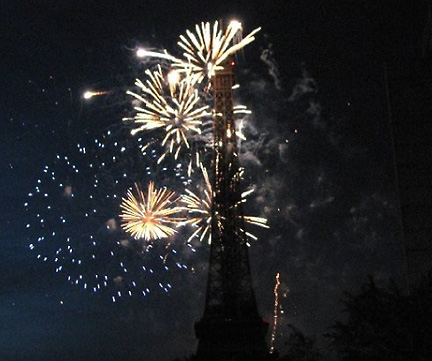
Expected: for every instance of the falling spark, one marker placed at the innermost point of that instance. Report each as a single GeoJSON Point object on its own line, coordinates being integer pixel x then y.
{"type": "Point", "coordinates": [170, 103]}
{"type": "Point", "coordinates": [142, 53]}
{"type": "Point", "coordinates": [275, 313]}
{"type": "Point", "coordinates": [149, 216]}
{"type": "Point", "coordinates": [90, 94]}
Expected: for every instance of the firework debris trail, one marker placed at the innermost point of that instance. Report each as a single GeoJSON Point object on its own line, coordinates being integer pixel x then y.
{"type": "Point", "coordinates": [275, 313]}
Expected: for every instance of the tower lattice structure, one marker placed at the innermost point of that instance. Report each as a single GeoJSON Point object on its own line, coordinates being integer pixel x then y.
{"type": "Point", "coordinates": [231, 328]}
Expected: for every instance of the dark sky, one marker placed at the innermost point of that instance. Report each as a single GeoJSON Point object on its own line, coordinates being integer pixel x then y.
{"type": "Point", "coordinates": [318, 152]}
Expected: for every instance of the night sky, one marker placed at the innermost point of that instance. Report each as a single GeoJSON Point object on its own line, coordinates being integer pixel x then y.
{"type": "Point", "coordinates": [318, 154]}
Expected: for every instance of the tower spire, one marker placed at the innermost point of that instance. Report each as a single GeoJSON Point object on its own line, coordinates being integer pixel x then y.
{"type": "Point", "coordinates": [231, 328]}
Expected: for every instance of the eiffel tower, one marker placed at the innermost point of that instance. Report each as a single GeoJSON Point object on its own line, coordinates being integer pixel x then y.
{"type": "Point", "coordinates": [231, 328]}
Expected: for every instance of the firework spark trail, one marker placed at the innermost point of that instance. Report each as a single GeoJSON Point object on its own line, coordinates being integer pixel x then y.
{"type": "Point", "coordinates": [199, 209]}
{"type": "Point", "coordinates": [149, 217]}
{"type": "Point", "coordinates": [200, 214]}
{"type": "Point", "coordinates": [275, 313]}
{"type": "Point", "coordinates": [90, 94]}
{"type": "Point", "coordinates": [142, 53]}
{"type": "Point", "coordinates": [170, 103]}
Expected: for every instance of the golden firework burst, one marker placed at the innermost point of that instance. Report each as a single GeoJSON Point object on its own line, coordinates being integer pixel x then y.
{"type": "Point", "coordinates": [149, 216]}
{"type": "Point", "coordinates": [206, 49]}
{"type": "Point", "coordinates": [209, 47]}
{"type": "Point", "coordinates": [200, 212]}
{"type": "Point", "coordinates": [170, 103]}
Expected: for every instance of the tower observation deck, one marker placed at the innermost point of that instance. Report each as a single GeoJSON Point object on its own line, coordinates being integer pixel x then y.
{"type": "Point", "coordinates": [231, 327]}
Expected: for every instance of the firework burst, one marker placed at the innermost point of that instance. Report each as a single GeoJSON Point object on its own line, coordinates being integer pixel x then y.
{"type": "Point", "coordinates": [200, 212]}
{"type": "Point", "coordinates": [149, 217]}
{"type": "Point", "coordinates": [206, 49]}
{"type": "Point", "coordinates": [209, 47]}
{"type": "Point", "coordinates": [172, 104]}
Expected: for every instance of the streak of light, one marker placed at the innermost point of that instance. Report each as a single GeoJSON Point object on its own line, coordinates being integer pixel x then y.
{"type": "Point", "coordinates": [90, 94]}
{"type": "Point", "coordinates": [275, 313]}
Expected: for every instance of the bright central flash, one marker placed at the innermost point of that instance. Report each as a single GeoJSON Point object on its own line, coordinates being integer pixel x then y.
{"type": "Point", "coordinates": [235, 24]}
{"type": "Point", "coordinates": [141, 53]}
{"type": "Point", "coordinates": [173, 77]}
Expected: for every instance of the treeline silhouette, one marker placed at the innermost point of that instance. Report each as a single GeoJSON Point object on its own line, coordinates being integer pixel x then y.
{"type": "Point", "coordinates": [380, 324]}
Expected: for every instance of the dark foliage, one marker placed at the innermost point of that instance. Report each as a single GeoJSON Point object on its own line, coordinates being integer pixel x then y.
{"type": "Point", "coordinates": [385, 324]}
{"type": "Point", "coordinates": [300, 347]}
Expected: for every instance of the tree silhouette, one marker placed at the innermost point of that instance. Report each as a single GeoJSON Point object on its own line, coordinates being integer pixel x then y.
{"type": "Point", "coordinates": [300, 347]}
{"type": "Point", "coordinates": [385, 324]}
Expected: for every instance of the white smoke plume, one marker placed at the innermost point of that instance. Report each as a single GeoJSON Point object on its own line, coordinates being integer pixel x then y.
{"type": "Point", "coordinates": [268, 58]}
